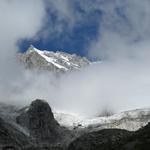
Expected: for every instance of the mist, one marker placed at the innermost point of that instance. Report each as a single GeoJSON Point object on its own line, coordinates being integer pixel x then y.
{"type": "Point", "coordinates": [19, 19]}
{"type": "Point", "coordinates": [119, 81]}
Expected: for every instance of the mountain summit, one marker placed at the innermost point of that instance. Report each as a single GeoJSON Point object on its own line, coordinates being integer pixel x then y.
{"type": "Point", "coordinates": [52, 61]}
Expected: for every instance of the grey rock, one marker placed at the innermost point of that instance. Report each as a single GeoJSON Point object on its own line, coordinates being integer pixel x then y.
{"type": "Point", "coordinates": [11, 138]}
{"type": "Point", "coordinates": [43, 129]}
{"type": "Point", "coordinates": [31, 127]}
{"type": "Point", "coordinates": [40, 122]}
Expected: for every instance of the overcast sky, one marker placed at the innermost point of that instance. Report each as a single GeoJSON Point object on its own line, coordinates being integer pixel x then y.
{"type": "Point", "coordinates": [114, 31]}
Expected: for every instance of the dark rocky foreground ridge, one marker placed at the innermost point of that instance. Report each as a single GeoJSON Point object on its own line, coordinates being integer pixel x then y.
{"type": "Point", "coordinates": [34, 128]}
{"type": "Point", "coordinates": [113, 139]}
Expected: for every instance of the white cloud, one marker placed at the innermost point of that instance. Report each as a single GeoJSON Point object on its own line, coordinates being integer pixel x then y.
{"type": "Point", "coordinates": [19, 19]}
{"type": "Point", "coordinates": [124, 30]}
{"type": "Point", "coordinates": [120, 81]}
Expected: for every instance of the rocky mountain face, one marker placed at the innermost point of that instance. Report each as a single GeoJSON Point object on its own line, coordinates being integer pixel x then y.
{"type": "Point", "coordinates": [34, 128]}
{"type": "Point", "coordinates": [58, 61]}
{"type": "Point", "coordinates": [40, 122]}
{"type": "Point", "coordinates": [11, 137]}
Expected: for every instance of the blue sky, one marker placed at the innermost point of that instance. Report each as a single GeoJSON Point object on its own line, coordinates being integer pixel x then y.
{"type": "Point", "coordinates": [74, 40]}
{"type": "Point", "coordinates": [99, 27]}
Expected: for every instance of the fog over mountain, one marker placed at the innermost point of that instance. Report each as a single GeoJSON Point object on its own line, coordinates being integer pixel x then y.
{"type": "Point", "coordinates": [15, 17]}
{"type": "Point", "coordinates": [120, 81]}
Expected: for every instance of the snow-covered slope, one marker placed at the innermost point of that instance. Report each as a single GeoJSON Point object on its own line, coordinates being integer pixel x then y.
{"type": "Point", "coordinates": [52, 61]}
{"type": "Point", "coordinates": [129, 120]}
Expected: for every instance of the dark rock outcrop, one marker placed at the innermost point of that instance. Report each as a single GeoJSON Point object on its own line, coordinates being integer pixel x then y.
{"type": "Point", "coordinates": [11, 138]}
{"type": "Point", "coordinates": [42, 127]}
{"type": "Point", "coordinates": [35, 128]}
{"type": "Point", "coordinates": [39, 120]}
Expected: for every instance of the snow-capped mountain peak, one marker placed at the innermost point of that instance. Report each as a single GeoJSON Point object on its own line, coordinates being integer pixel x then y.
{"type": "Point", "coordinates": [52, 61]}
{"type": "Point", "coordinates": [49, 59]}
